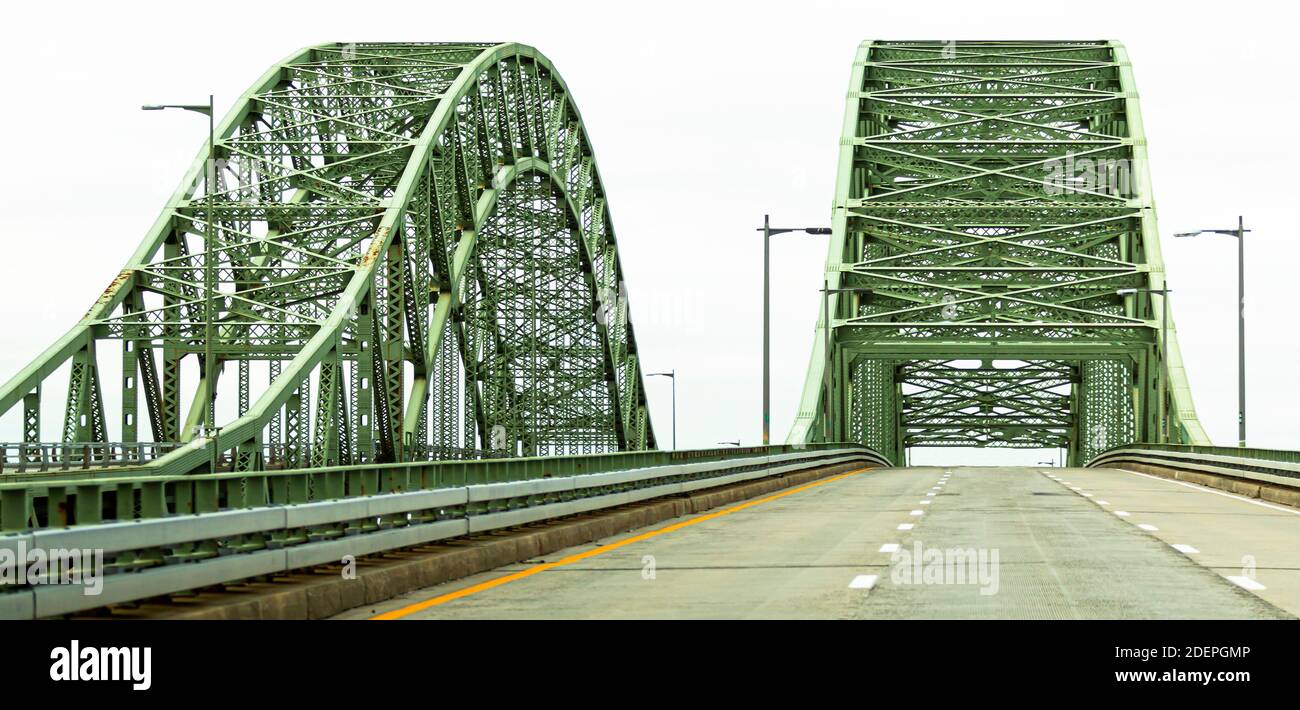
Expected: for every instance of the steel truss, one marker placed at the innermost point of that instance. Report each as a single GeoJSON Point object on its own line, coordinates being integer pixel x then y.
{"type": "Point", "coordinates": [414, 259]}
{"type": "Point", "coordinates": [992, 198]}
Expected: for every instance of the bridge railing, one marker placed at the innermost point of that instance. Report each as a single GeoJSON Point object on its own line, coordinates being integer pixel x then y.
{"type": "Point", "coordinates": [163, 534]}
{"type": "Point", "coordinates": [29, 457]}
{"type": "Point", "coordinates": [55, 457]}
{"type": "Point", "coordinates": [80, 498]}
{"type": "Point", "coordinates": [1272, 467]}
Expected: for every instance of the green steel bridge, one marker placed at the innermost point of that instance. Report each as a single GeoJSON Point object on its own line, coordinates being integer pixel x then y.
{"type": "Point", "coordinates": [400, 251]}
{"type": "Point", "coordinates": [390, 292]}
{"type": "Point", "coordinates": [995, 269]}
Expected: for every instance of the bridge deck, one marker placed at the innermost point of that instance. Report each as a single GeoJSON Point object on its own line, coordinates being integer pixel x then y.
{"type": "Point", "coordinates": [813, 552]}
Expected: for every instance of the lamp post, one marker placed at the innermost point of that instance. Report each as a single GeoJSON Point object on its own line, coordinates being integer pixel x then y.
{"type": "Point", "coordinates": [209, 272]}
{"type": "Point", "coordinates": [1240, 234]}
{"type": "Point", "coordinates": [768, 230]}
{"type": "Point", "coordinates": [1162, 380]}
{"type": "Point", "coordinates": [729, 443]}
{"type": "Point", "coordinates": [672, 375]}
{"type": "Point", "coordinates": [827, 381]}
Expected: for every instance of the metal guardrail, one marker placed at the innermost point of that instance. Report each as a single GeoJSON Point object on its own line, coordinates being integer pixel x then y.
{"type": "Point", "coordinates": [176, 533]}
{"type": "Point", "coordinates": [63, 457]}
{"type": "Point", "coordinates": [28, 457]}
{"type": "Point", "coordinates": [1278, 467]}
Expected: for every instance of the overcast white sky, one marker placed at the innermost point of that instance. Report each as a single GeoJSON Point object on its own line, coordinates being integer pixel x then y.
{"type": "Point", "coordinates": [704, 116]}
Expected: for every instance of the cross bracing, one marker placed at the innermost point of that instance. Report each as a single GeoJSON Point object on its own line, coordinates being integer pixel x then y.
{"type": "Point", "coordinates": [993, 254]}
{"type": "Point", "coordinates": [412, 258]}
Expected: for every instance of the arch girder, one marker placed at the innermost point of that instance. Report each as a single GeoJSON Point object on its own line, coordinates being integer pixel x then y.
{"type": "Point", "coordinates": [343, 221]}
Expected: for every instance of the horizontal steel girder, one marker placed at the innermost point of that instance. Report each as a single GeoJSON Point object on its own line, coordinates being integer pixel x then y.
{"type": "Point", "coordinates": [992, 200]}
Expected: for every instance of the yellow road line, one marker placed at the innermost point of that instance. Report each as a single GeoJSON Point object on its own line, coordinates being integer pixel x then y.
{"type": "Point", "coordinates": [492, 583]}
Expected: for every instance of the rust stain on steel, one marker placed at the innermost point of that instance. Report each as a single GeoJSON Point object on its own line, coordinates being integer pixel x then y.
{"type": "Point", "coordinates": [376, 244]}
{"type": "Point", "coordinates": [112, 290]}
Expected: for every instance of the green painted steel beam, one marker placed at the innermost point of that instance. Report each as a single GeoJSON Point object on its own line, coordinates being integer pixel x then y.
{"type": "Point", "coordinates": [413, 238]}
{"type": "Point", "coordinates": [992, 207]}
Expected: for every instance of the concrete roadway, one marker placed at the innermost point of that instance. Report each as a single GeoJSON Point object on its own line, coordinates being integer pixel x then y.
{"type": "Point", "coordinates": [997, 543]}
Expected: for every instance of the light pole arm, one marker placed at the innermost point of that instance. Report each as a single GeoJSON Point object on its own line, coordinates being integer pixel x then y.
{"type": "Point", "coordinates": [768, 230]}
{"type": "Point", "coordinates": [1240, 233]}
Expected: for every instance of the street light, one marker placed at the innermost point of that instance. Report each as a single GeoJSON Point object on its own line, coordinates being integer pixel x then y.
{"type": "Point", "coordinates": [1163, 372]}
{"type": "Point", "coordinates": [672, 375]}
{"type": "Point", "coordinates": [729, 443]}
{"type": "Point", "coordinates": [827, 381]}
{"type": "Point", "coordinates": [768, 230]}
{"type": "Point", "coordinates": [209, 274]}
{"type": "Point", "coordinates": [1240, 234]}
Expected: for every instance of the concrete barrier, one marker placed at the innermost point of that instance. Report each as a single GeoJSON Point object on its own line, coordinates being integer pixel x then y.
{"type": "Point", "coordinates": [1270, 492]}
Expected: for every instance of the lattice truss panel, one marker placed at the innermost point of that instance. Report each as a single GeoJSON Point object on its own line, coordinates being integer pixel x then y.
{"type": "Point", "coordinates": [1011, 403]}
{"type": "Point", "coordinates": [413, 257]}
{"type": "Point", "coordinates": [992, 200]}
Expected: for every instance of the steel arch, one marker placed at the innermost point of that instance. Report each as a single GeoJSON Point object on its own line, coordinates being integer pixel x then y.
{"type": "Point", "coordinates": [384, 212]}
{"type": "Point", "coordinates": [980, 235]}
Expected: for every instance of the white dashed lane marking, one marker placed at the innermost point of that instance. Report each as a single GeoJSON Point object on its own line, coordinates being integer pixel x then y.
{"type": "Point", "coordinates": [1246, 582]}
{"type": "Point", "coordinates": [1243, 581]}
{"type": "Point", "coordinates": [1203, 489]}
{"type": "Point", "coordinates": [863, 581]}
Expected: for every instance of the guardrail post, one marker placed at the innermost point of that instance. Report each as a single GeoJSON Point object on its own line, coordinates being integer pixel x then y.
{"type": "Point", "coordinates": [89, 505]}
{"type": "Point", "coordinates": [277, 490]}
{"type": "Point", "coordinates": [14, 505]}
{"type": "Point", "coordinates": [234, 490]}
{"type": "Point", "coordinates": [318, 486]}
{"type": "Point", "coordinates": [125, 501]}
{"type": "Point", "coordinates": [420, 477]}
{"type": "Point", "coordinates": [452, 474]}
{"type": "Point", "coordinates": [206, 496]}
{"type": "Point", "coordinates": [153, 499]}
{"type": "Point", "coordinates": [355, 482]}
{"type": "Point", "coordinates": [335, 484]}
{"type": "Point", "coordinates": [255, 491]}
{"type": "Point", "coordinates": [297, 488]}
{"type": "Point", "coordinates": [56, 507]}
{"type": "Point", "coordinates": [184, 495]}
{"type": "Point", "coordinates": [390, 481]}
